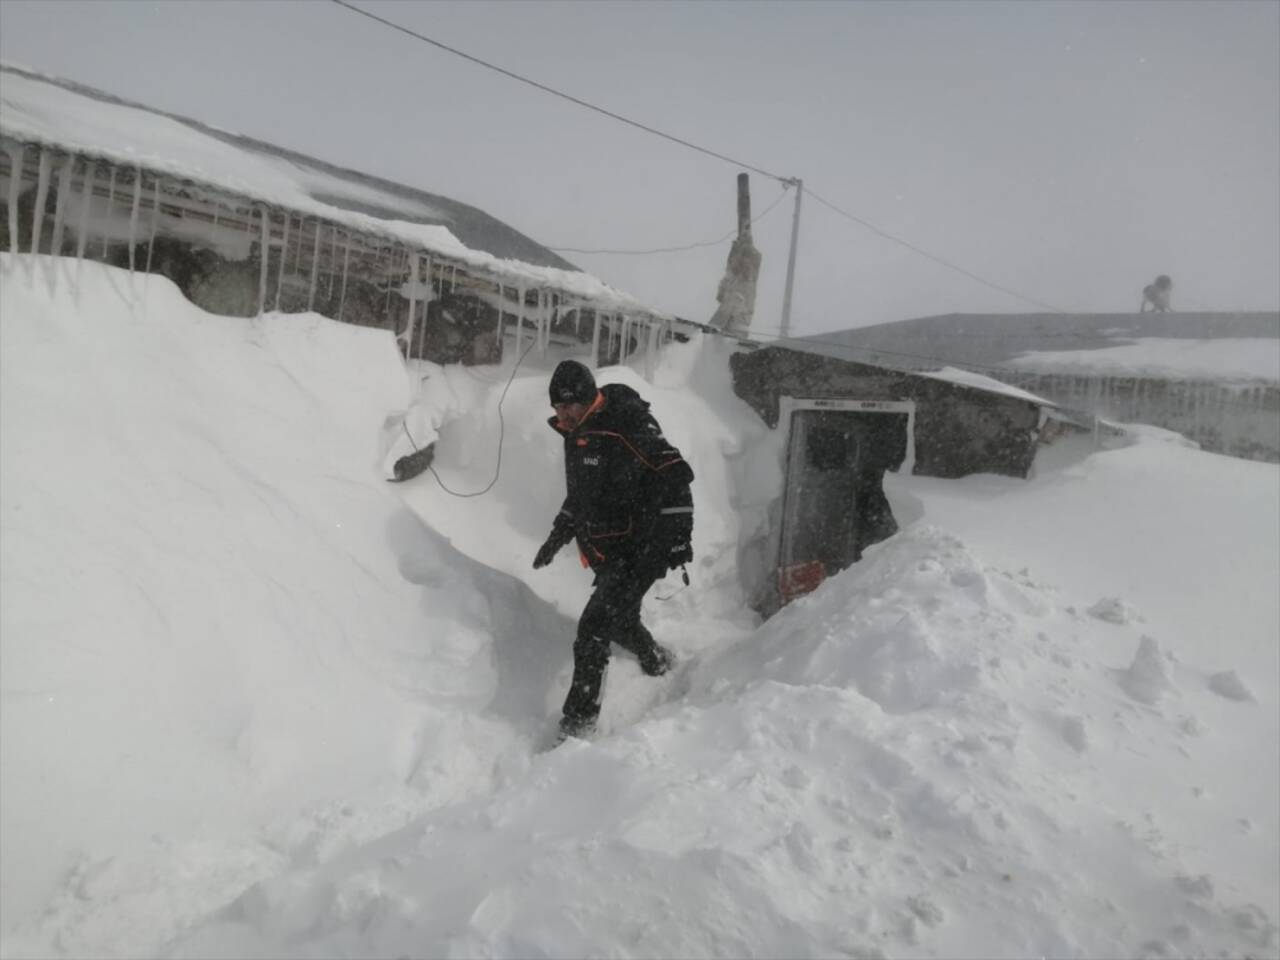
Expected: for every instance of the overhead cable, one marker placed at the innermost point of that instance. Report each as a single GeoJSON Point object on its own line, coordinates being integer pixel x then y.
{"type": "Point", "coordinates": [565, 96]}
{"type": "Point", "coordinates": [691, 246]}
{"type": "Point", "coordinates": [789, 181]}
{"type": "Point", "coordinates": [936, 259]}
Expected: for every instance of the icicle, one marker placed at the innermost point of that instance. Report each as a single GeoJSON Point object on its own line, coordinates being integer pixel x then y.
{"type": "Point", "coordinates": [544, 308]}
{"type": "Point", "coordinates": [519, 314]}
{"type": "Point", "coordinates": [453, 277]}
{"type": "Point", "coordinates": [410, 327]}
{"type": "Point", "coordinates": [133, 214]}
{"type": "Point", "coordinates": [86, 201]}
{"type": "Point", "coordinates": [155, 222]}
{"type": "Point", "coordinates": [426, 306]}
{"type": "Point", "coordinates": [595, 339]}
{"type": "Point", "coordinates": [42, 194]}
{"type": "Point", "coordinates": [539, 318]}
{"type": "Point", "coordinates": [346, 265]}
{"type": "Point", "coordinates": [106, 216]}
{"type": "Point", "coordinates": [544, 314]}
{"type": "Point", "coordinates": [550, 306]}
{"type": "Point", "coordinates": [519, 325]}
{"type": "Point", "coordinates": [333, 262]}
{"type": "Point", "coordinates": [60, 205]}
{"type": "Point", "coordinates": [284, 253]}
{"type": "Point", "coordinates": [264, 248]}
{"type": "Point", "coordinates": [16, 161]}
{"type": "Point", "coordinates": [386, 307]}
{"type": "Point", "coordinates": [315, 267]}
{"type": "Point", "coordinates": [297, 259]}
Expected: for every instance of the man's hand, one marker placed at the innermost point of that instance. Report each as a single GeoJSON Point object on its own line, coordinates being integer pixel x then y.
{"type": "Point", "coordinates": [546, 553]}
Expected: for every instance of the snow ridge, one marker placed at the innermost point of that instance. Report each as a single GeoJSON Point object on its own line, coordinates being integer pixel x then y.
{"type": "Point", "coordinates": [258, 702]}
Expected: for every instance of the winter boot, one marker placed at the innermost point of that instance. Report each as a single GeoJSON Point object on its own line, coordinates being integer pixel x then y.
{"type": "Point", "coordinates": [581, 729]}
{"type": "Point", "coordinates": [657, 661]}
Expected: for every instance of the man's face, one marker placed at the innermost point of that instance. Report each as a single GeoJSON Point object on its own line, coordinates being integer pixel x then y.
{"type": "Point", "coordinates": [569, 415]}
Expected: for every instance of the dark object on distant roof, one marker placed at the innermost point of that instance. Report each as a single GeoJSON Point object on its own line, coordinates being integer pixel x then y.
{"type": "Point", "coordinates": [1156, 295]}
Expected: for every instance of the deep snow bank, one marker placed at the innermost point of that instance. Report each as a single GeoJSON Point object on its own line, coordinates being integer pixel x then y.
{"type": "Point", "coordinates": [296, 719]}
{"type": "Point", "coordinates": [907, 762]}
{"type": "Point", "coordinates": [214, 615]}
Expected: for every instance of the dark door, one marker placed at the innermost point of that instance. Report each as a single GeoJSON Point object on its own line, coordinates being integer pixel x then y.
{"type": "Point", "coordinates": [833, 501]}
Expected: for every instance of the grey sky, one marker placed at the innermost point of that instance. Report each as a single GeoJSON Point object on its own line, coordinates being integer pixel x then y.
{"type": "Point", "coordinates": [1070, 151]}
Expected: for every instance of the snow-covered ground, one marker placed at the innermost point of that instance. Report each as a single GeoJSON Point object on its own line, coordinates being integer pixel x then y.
{"type": "Point", "coordinates": [256, 701]}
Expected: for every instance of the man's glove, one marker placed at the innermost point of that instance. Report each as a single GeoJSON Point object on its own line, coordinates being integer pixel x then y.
{"type": "Point", "coordinates": [561, 533]}
{"type": "Point", "coordinates": [546, 553]}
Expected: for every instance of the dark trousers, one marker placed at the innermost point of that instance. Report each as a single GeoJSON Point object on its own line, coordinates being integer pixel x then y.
{"type": "Point", "coordinates": [612, 615]}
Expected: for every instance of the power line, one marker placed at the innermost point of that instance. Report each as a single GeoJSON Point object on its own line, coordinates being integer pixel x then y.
{"type": "Point", "coordinates": [936, 259]}
{"type": "Point", "coordinates": [789, 181]}
{"type": "Point", "coordinates": [691, 246]}
{"type": "Point", "coordinates": [554, 92]}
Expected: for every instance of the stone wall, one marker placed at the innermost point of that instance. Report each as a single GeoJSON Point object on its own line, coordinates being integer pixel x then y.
{"type": "Point", "coordinates": [958, 430]}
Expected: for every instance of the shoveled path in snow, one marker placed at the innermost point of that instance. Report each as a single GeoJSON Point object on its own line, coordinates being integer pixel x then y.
{"type": "Point", "coordinates": [1028, 724]}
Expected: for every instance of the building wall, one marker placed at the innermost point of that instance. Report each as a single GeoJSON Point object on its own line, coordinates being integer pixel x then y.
{"type": "Point", "coordinates": [236, 257]}
{"type": "Point", "coordinates": [958, 430]}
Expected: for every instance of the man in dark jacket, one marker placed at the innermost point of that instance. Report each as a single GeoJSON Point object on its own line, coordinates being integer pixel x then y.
{"type": "Point", "coordinates": [629, 507]}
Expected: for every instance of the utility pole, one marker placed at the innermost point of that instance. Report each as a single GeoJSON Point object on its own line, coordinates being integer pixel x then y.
{"type": "Point", "coordinates": [737, 291]}
{"type": "Point", "coordinates": [791, 260]}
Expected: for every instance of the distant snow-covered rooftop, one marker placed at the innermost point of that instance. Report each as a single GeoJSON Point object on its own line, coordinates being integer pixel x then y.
{"type": "Point", "coordinates": [1225, 346]}
{"type": "Point", "coordinates": [34, 109]}
{"type": "Point", "coordinates": [1236, 359]}
{"type": "Point", "coordinates": [967, 378]}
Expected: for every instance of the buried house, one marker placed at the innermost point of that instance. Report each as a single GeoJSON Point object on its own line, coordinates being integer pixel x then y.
{"type": "Point", "coordinates": [1212, 376]}
{"type": "Point", "coordinates": [843, 424]}
{"type": "Point", "coordinates": [242, 227]}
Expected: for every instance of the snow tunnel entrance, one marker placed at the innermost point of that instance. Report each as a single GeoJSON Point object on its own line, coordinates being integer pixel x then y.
{"type": "Point", "coordinates": [833, 504]}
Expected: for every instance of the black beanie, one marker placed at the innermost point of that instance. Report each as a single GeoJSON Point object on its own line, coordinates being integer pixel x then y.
{"type": "Point", "coordinates": [572, 383]}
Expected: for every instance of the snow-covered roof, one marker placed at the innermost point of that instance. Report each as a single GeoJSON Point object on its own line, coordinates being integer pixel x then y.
{"type": "Point", "coordinates": [1238, 358]}
{"type": "Point", "coordinates": [978, 381]}
{"type": "Point", "coordinates": [1198, 345]}
{"type": "Point", "coordinates": [955, 375]}
{"type": "Point", "coordinates": [52, 112]}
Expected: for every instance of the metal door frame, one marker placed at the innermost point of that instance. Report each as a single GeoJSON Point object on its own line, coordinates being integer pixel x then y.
{"type": "Point", "coordinates": [788, 406]}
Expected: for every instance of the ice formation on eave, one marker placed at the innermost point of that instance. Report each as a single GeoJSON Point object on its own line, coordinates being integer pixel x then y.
{"type": "Point", "coordinates": [38, 111]}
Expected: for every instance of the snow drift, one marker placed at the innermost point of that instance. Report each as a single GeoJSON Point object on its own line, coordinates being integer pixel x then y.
{"type": "Point", "coordinates": [257, 701]}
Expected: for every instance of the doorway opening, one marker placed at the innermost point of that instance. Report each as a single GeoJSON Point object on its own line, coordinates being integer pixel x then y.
{"type": "Point", "coordinates": [833, 503]}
